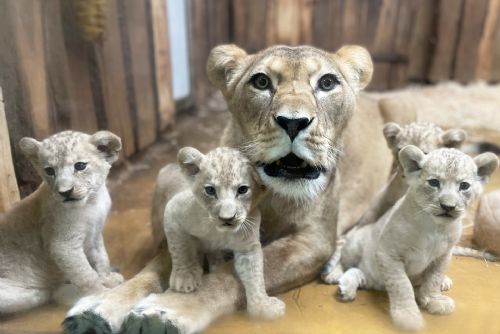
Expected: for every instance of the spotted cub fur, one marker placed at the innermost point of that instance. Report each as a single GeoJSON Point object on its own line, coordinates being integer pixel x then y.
{"type": "Point", "coordinates": [54, 236]}
{"type": "Point", "coordinates": [218, 212]}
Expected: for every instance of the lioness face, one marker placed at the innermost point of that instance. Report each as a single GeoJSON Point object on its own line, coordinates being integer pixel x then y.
{"type": "Point", "coordinates": [292, 105]}
{"type": "Point", "coordinates": [224, 182]}
{"type": "Point", "coordinates": [74, 165]}
{"type": "Point", "coordinates": [444, 182]}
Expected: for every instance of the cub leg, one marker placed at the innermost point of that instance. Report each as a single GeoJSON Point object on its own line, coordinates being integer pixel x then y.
{"type": "Point", "coordinates": [98, 258]}
{"type": "Point", "coordinates": [333, 275]}
{"type": "Point", "coordinates": [349, 283]}
{"type": "Point", "coordinates": [249, 267]}
{"type": "Point", "coordinates": [15, 298]}
{"type": "Point", "coordinates": [429, 293]}
{"type": "Point", "coordinates": [447, 283]}
{"type": "Point", "coordinates": [186, 267]}
{"type": "Point", "coordinates": [403, 307]}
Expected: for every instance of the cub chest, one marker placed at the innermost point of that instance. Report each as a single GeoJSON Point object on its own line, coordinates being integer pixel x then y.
{"type": "Point", "coordinates": [423, 251]}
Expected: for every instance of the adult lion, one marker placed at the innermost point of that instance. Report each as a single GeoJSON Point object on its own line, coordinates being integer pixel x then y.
{"type": "Point", "coordinates": [291, 109]}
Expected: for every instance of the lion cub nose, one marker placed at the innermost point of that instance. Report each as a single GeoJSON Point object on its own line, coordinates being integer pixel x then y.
{"type": "Point", "coordinates": [228, 221]}
{"type": "Point", "coordinates": [293, 126]}
{"type": "Point", "coordinates": [447, 208]}
{"type": "Point", "coordinates": [66, 193]}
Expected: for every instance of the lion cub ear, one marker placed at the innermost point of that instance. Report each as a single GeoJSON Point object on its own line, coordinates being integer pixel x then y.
{"type": "Point", "coordinates": [357, 65]}
{"type": "Point", "coordinates": [108, 144]}
{"type": "Point", "coordinates": [190, 159]}
{"type": "Point", "coordinates": [454, 138]}
{"type": "Point", "coordinates": [486, 164]}
{"type": "Point", "coordinates": [222, 63]}
{"type": "Point", "coordinates": [411, 158]}
{"type": "Point", "coordinates": [30, 147]}
{"type": "Point", "coordinates": [391, 131]}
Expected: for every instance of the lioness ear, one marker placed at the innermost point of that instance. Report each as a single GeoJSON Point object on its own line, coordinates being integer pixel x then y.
{"type": "Point", "coordinates": [411, 158]}
{"type": "Point", "coordinates": [391, 131]}
{"type": "Point", "coordinates": [357, 65]}
{"type": "Point", "coordinates": [190, 159]}
{"type": "Point", "coordinates": [454, 138]}
{"type": "Point", "coordinates": [222, 62]}
{"type": "Point", "coordinates": [486, 164]}
{"type": "Point", "coordinates": [108, 144]}
{"type": "Point", "coordinates": [30, 147]}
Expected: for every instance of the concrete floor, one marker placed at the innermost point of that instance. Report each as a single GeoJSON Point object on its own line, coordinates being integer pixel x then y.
{"type": "Point", "coordinates": [310, 309]}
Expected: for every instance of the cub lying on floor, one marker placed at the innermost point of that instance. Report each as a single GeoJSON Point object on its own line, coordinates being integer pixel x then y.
{"type": "Point", "coordinates": [55, 234]}
{"type": "Point", "coordinates": [411, 245]}
{"type": "Point", "coordinates": [218, 212]}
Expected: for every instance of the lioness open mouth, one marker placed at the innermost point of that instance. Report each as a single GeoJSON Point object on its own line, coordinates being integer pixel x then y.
{"type": "Point", "coordinates": [292, 167]}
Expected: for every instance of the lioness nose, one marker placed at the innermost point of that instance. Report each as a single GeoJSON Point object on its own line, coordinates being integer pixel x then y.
{"type": "Point", "coordinates": [66, 193]}
{"type": "Point", "coordinates": [293, 126]}
{"type": "Point", "coordinates": [447, 208]}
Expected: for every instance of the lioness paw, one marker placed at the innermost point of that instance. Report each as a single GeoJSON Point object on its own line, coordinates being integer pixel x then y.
{"type": "Point", "coordinates": [112, 279]}
{"type": "Point", "coordinates": [187, 281]}
{"type": "Point", "coordinates": [269, 308]}
{"type": "Point", "coordinates": [438, 305]}
{"type": "Point", "coordinates": [408, 319]}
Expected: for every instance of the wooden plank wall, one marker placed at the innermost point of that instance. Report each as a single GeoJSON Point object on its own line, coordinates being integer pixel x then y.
{"type": "Point", "coordinates": [55, 79]}
{"type": "Point", "coordinates": [410, 41]}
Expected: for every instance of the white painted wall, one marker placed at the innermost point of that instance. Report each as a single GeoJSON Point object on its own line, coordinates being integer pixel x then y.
{"type": "Point", "coordinates": [178, 28]}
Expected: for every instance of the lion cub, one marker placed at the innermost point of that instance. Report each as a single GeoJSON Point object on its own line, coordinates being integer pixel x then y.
{"type": "Point", "coordinates": [218, 212]}
{"type": "Point", "coordinates": [411, 245]}
{"type": "Point", "coordinates": [55, 235]}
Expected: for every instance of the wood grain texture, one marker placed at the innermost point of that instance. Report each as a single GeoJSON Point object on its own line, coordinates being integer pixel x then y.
{"type": "Point", "coordinates": [488, 46]}
{"type": "Point", "coordinates": [9, 193]}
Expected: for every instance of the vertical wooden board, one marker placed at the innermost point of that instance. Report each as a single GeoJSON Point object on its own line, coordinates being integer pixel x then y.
{"type": "Point", "coordinates": [162, 67]}
{"type": "Point", "coordinates": [28, 35]}
{"type": "Point", "coordinates": [448, 27]}
{"type": "Point", "coordinates": [109, 56]}
{"type": "Point", "coordinates": [351, 20]}
{"type": "Point", "coordinates": [141, 56]}
{"type": "Point", "coordinates": [495, 55]}
{"type": "Point", "coordinates": [306, 12]}
{"type": "Point", "coordinates": [327, 24]}
{"type": "Point", "coordinates": [404, 31]}
{"type": "Point", "coordinates": [83, 115]}
{"type": "Point", "coordinates": [250, 22]}
{"type": "Point", "coordinates": [9, 193]}
{"type": "Point", "coordinates": [470, 35]}
{"type": "Point", "coordinates": [384, 43]}
{"type": "Point", "coordinates": [280, 15]}
{"type": "Point", "coordinates": [484, 65]}
{"type": "Point", "coordinates": [421, 45]}
{"type": "Point", "coordinates": [199, 48]}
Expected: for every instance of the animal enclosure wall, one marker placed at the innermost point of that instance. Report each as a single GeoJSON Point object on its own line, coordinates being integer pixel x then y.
{"type": "Point", "coordinates": [410, 41]}
{"type": "Point", "coordinates": [84, 65]}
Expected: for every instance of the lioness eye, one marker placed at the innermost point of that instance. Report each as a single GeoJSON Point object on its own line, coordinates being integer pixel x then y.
{"type": "Point", "coordinates": [434, 183]}
{"type": "Point", "coordinates": [242, 190]}
{"type": "Point", "coordinates": [328, 82]}
{"type": "Point", "coordinates": [210, 190]}
{"type": "Point", "coordinates": [464, 185]}
{"type": "Point", "coordinates": [261, 81]}
{"type": "Point", "coordinates": [50, 171]}
{"type": "Point", "coordinates": [80, 166]}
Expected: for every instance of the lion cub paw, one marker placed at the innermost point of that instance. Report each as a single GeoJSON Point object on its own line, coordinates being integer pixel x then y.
{"type": "Point", "coordinates": [269, 308]}
{"type": "Point", "coordinates": [186, 282]}
{"type": "Point", "coordinates": [112, 279]}
{"type": "Point", "coordinates": [438, 305]}
{"type": "Point", "coordinates": [446, 284]}
{"type": "Point", "coordinates": [408, 319]}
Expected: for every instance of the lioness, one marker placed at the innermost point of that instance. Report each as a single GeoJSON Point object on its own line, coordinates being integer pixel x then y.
{"type": "Point", "coordinates": [290, 109]}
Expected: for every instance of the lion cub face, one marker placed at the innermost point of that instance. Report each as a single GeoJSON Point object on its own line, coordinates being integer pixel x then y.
{"type": "Point", "coordinates": [444, 182]}
{"type": "Point", "coordinates": [292, 105]}
{"type": "Point", "coordinates": [224, 182]}
{"type": "Point", "coordinates": [74, 165]}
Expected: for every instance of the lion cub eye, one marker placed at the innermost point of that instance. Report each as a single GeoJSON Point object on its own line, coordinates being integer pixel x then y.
{"type": "Point", "coordinates": [464, 185]}
{"type": "Point", "coordinates": [79, 166]}
{"type": "Point", "coordinates": [434, 183]}
{"type": "Point", "coordinates": [242, 190]}
{"type": "Point", "coordinates": [328, 82]}
{"type": "Point", "coordinates": [261, 81]}
{"type": "Point", "coordinates": [209, 190]}
{"type": "Point", "coordinates": [49, 171]}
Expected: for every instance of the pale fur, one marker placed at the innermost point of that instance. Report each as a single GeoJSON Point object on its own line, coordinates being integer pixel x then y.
{"type": "Point", "coordinates": [197, 223]}
{"type": "Point", "coordinates": [46, 240]}
{"type": "Point", "coordinates": [411, 245]}
{"type": "Point", "coordinates": [299, 217]}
